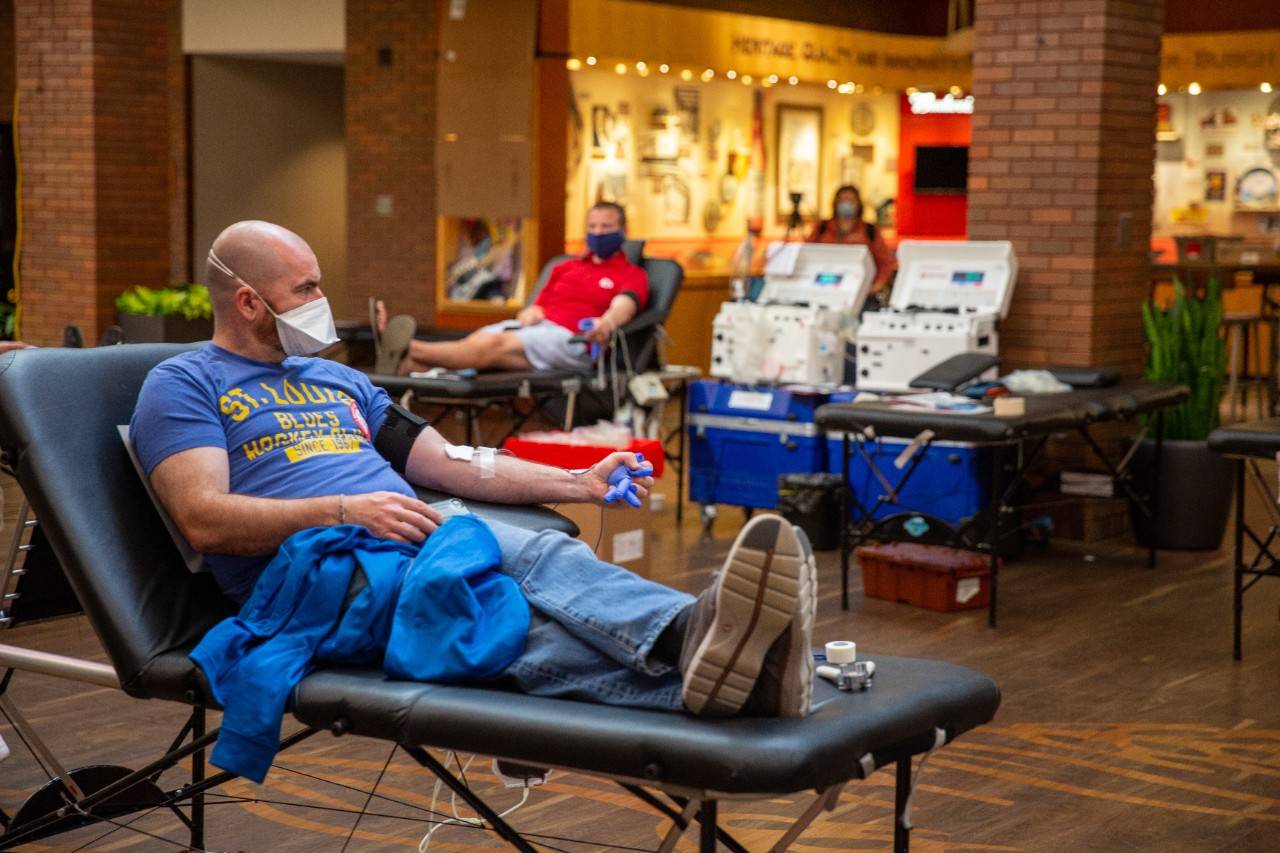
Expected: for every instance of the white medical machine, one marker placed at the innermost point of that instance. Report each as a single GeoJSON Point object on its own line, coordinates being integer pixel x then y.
{"type": "Point", "coordinates": [796, 331]}
{"type": "Point", "coordinates": [947, 299]}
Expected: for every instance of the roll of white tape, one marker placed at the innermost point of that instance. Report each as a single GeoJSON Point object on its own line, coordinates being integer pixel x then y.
{"type": "Point", "coordinates": [842, 651]}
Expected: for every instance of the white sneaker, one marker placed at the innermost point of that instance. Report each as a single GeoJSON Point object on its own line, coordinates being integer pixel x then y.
{"type": "Point", "coordinates": [4, 749]}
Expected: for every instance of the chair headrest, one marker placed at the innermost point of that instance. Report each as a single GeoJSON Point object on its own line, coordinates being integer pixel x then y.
{"type": "Point", "coordinates": [59, 413]}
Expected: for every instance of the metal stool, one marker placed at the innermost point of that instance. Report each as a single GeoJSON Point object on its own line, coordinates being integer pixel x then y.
{"type": "Point", "coordinates": [1248, 366]}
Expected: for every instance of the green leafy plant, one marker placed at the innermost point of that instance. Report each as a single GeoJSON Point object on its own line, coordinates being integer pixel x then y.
{"type": "Point", "coordinates": [1185, 345]}
{"type": "Point", "coordinates": [190, 301]}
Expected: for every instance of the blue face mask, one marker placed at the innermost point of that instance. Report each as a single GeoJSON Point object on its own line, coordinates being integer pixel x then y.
{"type": "Point", "coordinates": [604, 245]}
{"type": "Point", "coordinates": [846, 209]}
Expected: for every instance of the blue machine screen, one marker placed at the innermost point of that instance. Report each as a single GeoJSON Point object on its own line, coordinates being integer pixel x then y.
{"type": "Point", "coordinates": [961, 277]}
{"type": "Point", "coordinates": [828, 278]}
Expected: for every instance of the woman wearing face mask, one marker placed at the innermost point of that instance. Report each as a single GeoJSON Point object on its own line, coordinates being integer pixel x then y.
{"type": "Point", "coordinates": [847, 226]}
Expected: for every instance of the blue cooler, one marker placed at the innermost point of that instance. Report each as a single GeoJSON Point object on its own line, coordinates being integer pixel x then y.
{"type": "Point", "coordinates": [951, 482]}
{"type": "Point", "coordinates": [742, 437]}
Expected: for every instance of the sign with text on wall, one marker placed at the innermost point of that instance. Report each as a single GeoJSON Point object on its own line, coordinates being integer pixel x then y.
{"type": "Point", "coordinates": [612, 30]}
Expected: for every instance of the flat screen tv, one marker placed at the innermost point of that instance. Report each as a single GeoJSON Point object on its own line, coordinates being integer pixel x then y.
{"type": "Point", "coordinates": [942, 169]}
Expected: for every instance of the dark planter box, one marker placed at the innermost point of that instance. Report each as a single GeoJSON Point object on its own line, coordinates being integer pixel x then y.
{"type": "Point", "coordinates": [168, 328]}
{"type": "Point", "coordinates": [1196, 487]}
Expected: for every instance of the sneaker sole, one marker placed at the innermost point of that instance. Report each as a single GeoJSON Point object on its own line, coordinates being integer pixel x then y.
{"type": "Point", "coordinates": [796, 684]}
{"type": "Point", "coordinates": [756, 596]}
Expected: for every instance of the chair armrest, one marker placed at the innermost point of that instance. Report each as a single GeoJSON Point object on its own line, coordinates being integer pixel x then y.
{"type": "Point", "coordinates": [528, 517]}
{"type": "Point", "coordinates": [643, 320]}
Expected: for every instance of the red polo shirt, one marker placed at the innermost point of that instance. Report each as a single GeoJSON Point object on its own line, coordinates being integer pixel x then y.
{"type": "Point", "coordinates": [584, 287]}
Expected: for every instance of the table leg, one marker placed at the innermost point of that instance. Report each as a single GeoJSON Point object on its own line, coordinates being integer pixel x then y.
{"type": "Point", "coordinates": [1238, 568]}
{"type": "Point", "coordinates": [1153, 501]}
{"type": "Point", "coordinates": [844, 520]}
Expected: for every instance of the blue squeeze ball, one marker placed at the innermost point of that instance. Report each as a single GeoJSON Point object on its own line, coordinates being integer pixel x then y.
{"type": "Point", "coordinates": [586, 325]}
{"type": "Point", "coordinates": [621, 485]}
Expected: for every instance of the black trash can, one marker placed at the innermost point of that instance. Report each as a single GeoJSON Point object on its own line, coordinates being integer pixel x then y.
{"type": "Point", "coordinates": [812, 502]}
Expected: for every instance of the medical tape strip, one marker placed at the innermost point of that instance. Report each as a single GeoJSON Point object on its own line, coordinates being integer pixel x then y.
{"type": "Point", "coordinates": [939, 739]}
{"type": "Point", "coordinates": [904, 457]}
{"type": "Point", "coordinates": [483, 456]}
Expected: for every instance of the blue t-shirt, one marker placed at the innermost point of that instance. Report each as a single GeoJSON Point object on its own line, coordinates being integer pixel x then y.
{"type": "Point", "coordinates": [297, 429]}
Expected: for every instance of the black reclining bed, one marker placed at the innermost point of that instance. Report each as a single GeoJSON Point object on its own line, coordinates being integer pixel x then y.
{"type": "Point", "coordinates": [1070, 411]}
{"type": "Point", "coordinates": [59, 410]}
{"type": "Point", "coordinates": [1246, 444]}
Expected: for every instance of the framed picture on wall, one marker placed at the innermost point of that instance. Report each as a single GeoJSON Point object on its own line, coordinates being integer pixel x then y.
{"type": "Point", "coordinates": [798, 166]}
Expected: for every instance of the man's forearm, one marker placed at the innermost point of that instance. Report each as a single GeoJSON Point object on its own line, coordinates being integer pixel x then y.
{"type": "Point", "coordinates": [249, 526]}
{"type": "Point", "coordinates": [512, 481]}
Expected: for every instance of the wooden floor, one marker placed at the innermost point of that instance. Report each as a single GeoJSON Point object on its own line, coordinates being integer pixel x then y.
{"type": "Point", "coordinates": [1125, 726]}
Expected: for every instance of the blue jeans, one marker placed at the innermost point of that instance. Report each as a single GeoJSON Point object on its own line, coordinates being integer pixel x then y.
{"type": "Point", "coordinates": [592, 626]}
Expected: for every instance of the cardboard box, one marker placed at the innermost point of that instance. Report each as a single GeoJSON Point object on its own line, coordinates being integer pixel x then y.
{"type": "Point", "coordinates": [620, 534]}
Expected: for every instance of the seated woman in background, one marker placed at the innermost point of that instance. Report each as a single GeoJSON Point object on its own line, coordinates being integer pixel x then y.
{"type": "Point", "coordinates": [847, 226]}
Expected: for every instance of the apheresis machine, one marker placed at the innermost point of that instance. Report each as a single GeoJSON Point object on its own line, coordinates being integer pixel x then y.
{"type": "Point", "coordinates": [796, 331]}
{"type": "Point", "coordinates": [947, 299]}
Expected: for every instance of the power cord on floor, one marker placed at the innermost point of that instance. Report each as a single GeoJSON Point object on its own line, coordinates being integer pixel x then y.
{"type": "Point", "coordinates": [457, 819]}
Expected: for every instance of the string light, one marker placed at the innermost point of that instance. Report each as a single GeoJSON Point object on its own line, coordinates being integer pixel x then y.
{"type": "Point", "coordinates": [664, 68]}
{"type": "Point", "coordinates": [642, 66]}
{"type": "Point", "coordinates": [955, 91]}
{"type": "Point", "coordinates": [1161, 89]}
{"type": "Point", "coordinates": [831, 84]}
{"type": "Point", "coordinates": [573, 63]}
{"type": "Point", "coordinates": [591, 60]}
{"type": "Point", "coordinates": [1265, 88]}
{"type": "Point", "coordinates": [1194, 88]}
{"type": "Point", "coordinates": [621, 68]}
{"type": "Point", "coordinates": [731, 74]}
{"type": "Point", "coordinates": [707, 75]}
{"type": "Point", "coordinates": [746, 79]}
{"type": "Point", "coordinates": [773, 79]}
{"type": "Point", "coordinates": [686, 74]}
{"type": "Point", "coordinates": [793, 79]}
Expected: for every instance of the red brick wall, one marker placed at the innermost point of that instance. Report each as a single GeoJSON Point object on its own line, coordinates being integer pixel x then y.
{"type": "Point", "coordinates": [390, 128]}
{"type": "Point", "coordinates": [95, 137]}
{"type": "Point", "coordinates": [1061, 164]}
{"type": "Point", "coordinates": [131, 51]}
{"type": "Point", "coordinates": [179, 162]}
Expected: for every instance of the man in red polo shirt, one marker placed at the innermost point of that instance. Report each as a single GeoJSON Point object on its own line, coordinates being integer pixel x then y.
{"type": "Point", "coordinates": [601, 285]}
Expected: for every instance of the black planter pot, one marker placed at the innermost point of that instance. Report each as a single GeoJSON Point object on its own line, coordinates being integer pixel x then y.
{"type": "Point", "coordinates": [169, 328]}
{"type": "Point", "coordinates": [1196, 488]}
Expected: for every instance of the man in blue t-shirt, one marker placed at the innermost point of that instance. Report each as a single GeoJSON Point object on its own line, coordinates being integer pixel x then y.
{"type": "Point", "coordinates": [247, 442]}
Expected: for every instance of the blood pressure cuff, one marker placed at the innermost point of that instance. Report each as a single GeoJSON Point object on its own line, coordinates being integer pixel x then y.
{"type": "Point", "coordinates": [396, 436]}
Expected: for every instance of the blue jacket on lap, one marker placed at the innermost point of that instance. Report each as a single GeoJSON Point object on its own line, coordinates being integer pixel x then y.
{"type": "Point", "coordinates": [435, 613]}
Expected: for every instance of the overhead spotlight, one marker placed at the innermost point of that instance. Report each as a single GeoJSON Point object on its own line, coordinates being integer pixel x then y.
{"type": "Point", "coordinates": [773, 79]}
{"type": "Point", "coordinates": [1265, 88]}
{"type": "Point", "coordinates": [1161, 89]}
{"type": "Point", "coordinates": [573, 63]}
{"type": "Point", "coordinates": [1193, 88]}
{"type": "Point", "coordinates": [591, 60]}
{"type": "Point", "coordinates": [707, 75]}
{"type": "Point", "coordinates": [746, 79]}
{"type": "Point", "coordinates": [642, 66]}
{"type": "Point", "coordinates": [793, 79]}
{"type": "Point", "coordinates": [664, 68]}
{"type": "Point", "coordinates": [831, 84]}
{"type": "Point", "coordinates": [731, 74]}
{"type": "Point", "coordinates": [621, 68]}
{"type": "Point", "coordinates": [686, 74]}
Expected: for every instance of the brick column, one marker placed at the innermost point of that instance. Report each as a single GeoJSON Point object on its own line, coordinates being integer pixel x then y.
{"type": "Point", "coordinates": [94, 136]}
{"type": "Point", "coordinates": [1061, 164]}
{"type": "Point", "coordinates": [390, 128]}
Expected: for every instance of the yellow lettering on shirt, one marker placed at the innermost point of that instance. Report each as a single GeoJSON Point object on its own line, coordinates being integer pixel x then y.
{"type": "Point", "coordinates": [321, 446]}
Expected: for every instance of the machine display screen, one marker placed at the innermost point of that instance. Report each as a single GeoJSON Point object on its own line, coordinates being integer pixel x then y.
{"type": "Point", "coordinates": [961, 277]}
{"type": "Point", "coordinates": [828, 278]}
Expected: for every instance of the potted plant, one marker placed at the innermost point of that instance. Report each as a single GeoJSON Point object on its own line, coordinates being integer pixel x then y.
{"type": "Point", "coordinates": [172, 314]}
{"type": "Point", "coordinates": [1185, 346]}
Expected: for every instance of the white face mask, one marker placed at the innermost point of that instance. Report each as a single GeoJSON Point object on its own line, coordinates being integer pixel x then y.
{"type": "Point", "coordinates": [304, 330]}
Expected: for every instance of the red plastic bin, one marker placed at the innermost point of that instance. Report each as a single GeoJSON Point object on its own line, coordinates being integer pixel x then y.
{"type": "Point", "coordinates": [925, 575]}
{"type": "Point", "coordinates": [583, 455]}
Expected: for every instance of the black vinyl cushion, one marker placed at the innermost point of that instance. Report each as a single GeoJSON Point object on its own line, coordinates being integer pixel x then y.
{"type": "Point", "coordinates": [496, 384]}
{"type": "Point", "coordinates": [1259, 438]}
{"type": "Point", "coordinates": [1045, 413]}
{"type": "Point", "coordinates": [897, 716]}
